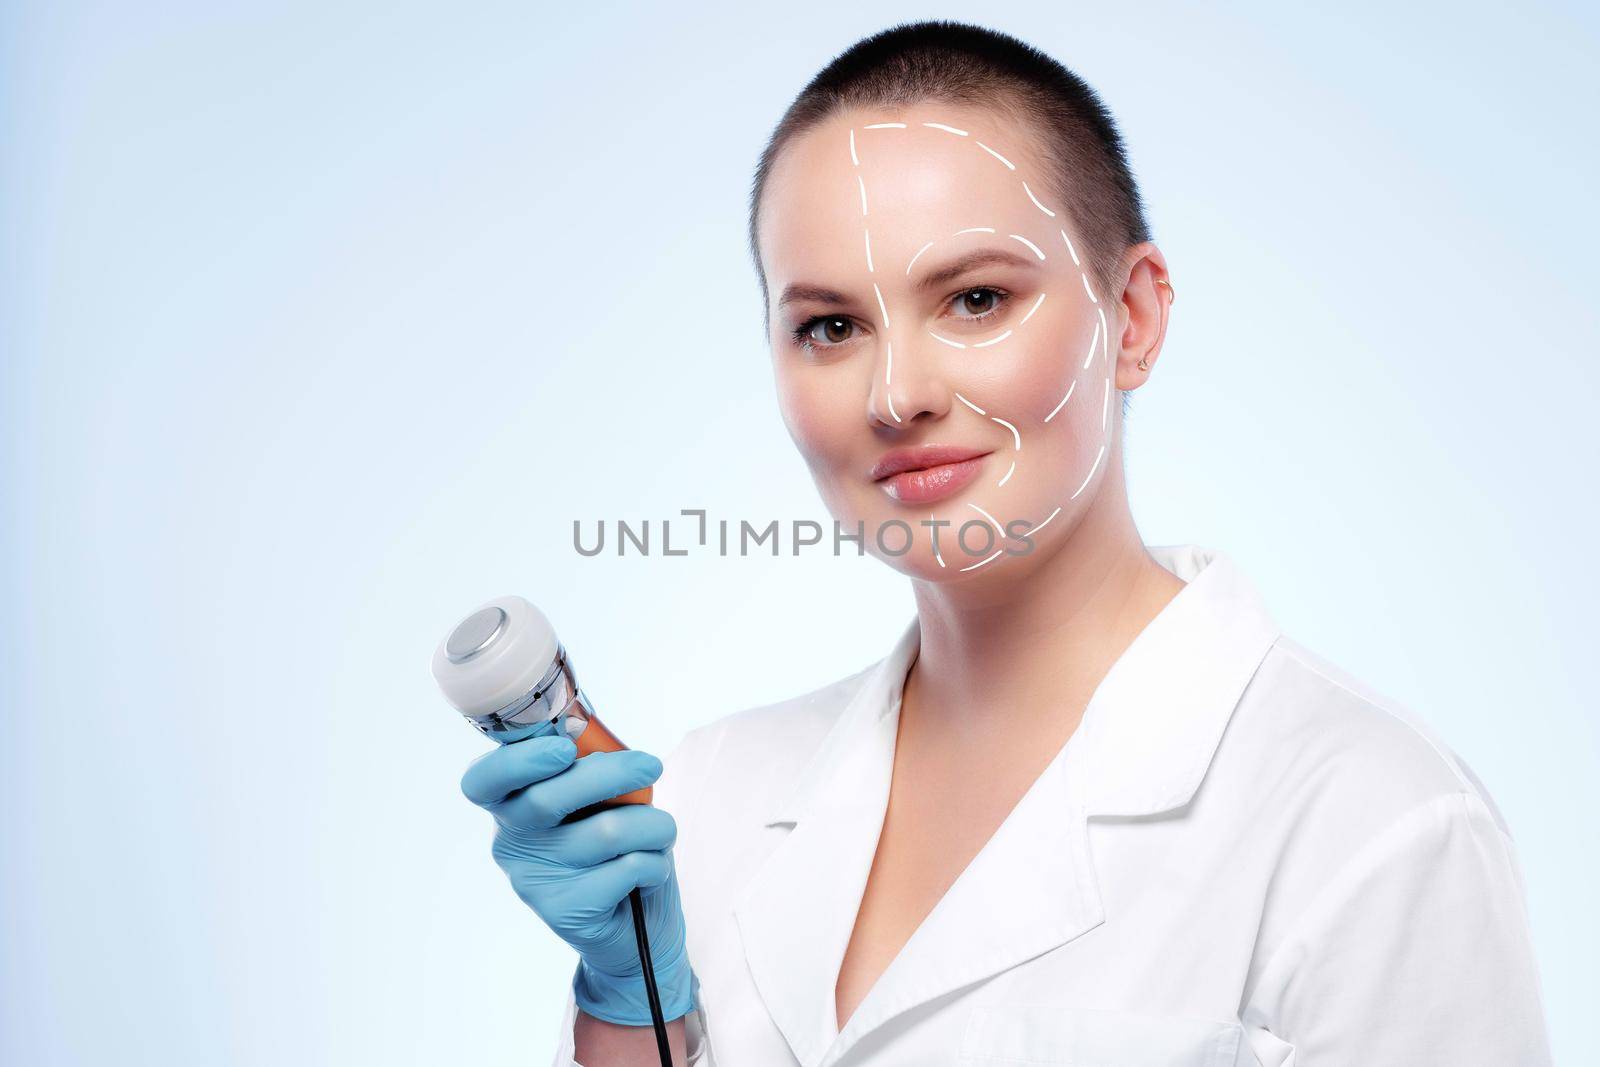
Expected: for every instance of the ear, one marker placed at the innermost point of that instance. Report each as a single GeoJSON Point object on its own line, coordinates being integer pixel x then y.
{"type": "Point", "coordinates": [1146, 307]}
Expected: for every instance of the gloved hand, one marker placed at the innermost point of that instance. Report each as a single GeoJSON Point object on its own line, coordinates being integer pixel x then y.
{"type": "Point", "coordinates": [576, 875]}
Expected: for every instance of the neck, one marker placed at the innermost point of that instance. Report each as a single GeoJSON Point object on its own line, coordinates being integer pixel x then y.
{"type": "Point", "coordinates": [1032, 643]}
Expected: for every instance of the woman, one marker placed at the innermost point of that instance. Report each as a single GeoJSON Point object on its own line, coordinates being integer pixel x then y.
{"type": "Point", "coordinates": [1093, 807]}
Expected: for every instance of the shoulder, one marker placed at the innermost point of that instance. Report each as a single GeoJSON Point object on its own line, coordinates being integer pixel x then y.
{"type": "Point", "coordinates": [1317, 736]}
{"type": "Point", "coordinates": [1355, 802]}
{"type": "Point", "coordinates": [1332, 781]}
{"type": "Point", "coordinates": [792, 727]}
{"type": "Point", "coordinates": [757, 750]}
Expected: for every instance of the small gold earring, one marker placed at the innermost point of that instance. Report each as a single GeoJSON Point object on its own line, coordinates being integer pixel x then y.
{"type": "Point", "coordinates": [1172, 294]}
{"type": "Point", "coordinates": [1142, 364]}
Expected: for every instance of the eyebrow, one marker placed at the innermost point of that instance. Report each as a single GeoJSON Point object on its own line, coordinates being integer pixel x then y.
{"type": "Point", "coordinates": [981, 257]}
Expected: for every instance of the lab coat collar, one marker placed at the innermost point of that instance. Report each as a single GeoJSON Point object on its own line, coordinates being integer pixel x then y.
{"type": "Point", "coordinates": [1143, 746]}
{"type": "Point", "coordinates": [1174, 689]}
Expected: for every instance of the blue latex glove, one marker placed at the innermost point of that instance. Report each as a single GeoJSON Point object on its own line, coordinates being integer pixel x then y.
{"type": "Point", "coordinates": [576, 875]}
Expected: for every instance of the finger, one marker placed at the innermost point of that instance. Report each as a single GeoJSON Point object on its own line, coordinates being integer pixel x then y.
{"type": "Point", "coordinates": [606, 884]}
{"type": "Point", "coordinates": [589, 780]}
{"type": "Point", "coordinates": [609, 833]}
{"type": "Point", "coordinates": [496, 774]}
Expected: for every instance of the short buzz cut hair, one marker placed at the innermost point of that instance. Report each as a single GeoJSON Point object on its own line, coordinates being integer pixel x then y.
{"type": "Point", "coordinates": [955, 62]}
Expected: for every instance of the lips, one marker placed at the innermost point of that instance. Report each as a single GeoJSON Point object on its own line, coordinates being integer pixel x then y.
{"type": "Point", "coordinates": [927, 473]}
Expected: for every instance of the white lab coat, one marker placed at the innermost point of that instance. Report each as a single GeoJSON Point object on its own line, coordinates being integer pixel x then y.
{"type": "Point", "coordinates": [1242, 856]}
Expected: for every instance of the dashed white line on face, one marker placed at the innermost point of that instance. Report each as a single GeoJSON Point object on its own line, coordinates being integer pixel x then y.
{"type": "Point", "coordinates": [1073, 252]}
{"type": "Point", "coordinates": [1101, 333]}
{"type": "Point", "coordinates": [992, 520]}
{"type": "Point", "coordinates": [1009, 165]}
{"type": "Point", "coordinates": [1046, 521]}
{"type": "Point", "coordinates": [1092, 468]}
{"type": "Point", "coordinates": [1030, 244]}
{"type": "Point", "coordinates": [1016, 437]}
{"type": "Point", "coordinates": [888, 369]}
{"type": "Point", "coordinates": [1031, 310]}
{"type": "Point", "coordinates": [1064, 399]}
{"type": "Point", "coordinates": [1035, 200]}
{"type": "Point", "coordinates": [981, 562]}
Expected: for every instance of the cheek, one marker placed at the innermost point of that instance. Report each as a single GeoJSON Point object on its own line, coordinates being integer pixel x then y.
{"type": "Point", "coordinates": [1031, 382]}
{"type": "Point", "coordinates": [817, 417]}
{"type": "Point", "coordinates": [1048, 360]}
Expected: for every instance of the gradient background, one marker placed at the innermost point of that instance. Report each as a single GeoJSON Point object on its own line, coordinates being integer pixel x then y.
{"type": "Point", "coordinates": [322, 325]}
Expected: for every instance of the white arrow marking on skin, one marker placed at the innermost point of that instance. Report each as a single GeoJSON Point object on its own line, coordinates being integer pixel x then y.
{"type": "Point", "coordinates": [1088, 290]}
{"type": "Point", "coordinates": [946, 340]}
{"type": "Point", "coordinates": [974, 229]}
{"type": "Point", "coordinates": [971, 405]}
{"type": "Point", "coordinates": [887, 126]}
{"type": "Point", "coordinates": [921, 250]}
{"type": "Point", "coordinates": [1007, 478]}
{"type": "Point", "coordinates": [881, 306]}
{"type": "Point", "coordinates": [869, 259]}
{"type": "Point", "coordinates": [992, 341]}
{"type": "Point", "coordinates": [947, 129]}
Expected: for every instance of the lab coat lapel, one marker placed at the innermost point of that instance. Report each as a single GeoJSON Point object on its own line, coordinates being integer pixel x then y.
{"type": "Point", "coordinates": [1143, 746]}
{"type": "Point", "coordinates": [1030, 889]}
{"type": "Point", "coordinates": [797, 913]}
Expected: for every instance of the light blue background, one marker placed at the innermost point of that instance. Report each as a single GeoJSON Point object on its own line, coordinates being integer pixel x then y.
{"type": "Point", "coordinates": [321, 326]}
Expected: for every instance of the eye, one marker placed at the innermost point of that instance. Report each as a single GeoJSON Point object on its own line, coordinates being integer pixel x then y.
{"type": "Point", "coordinates": [823, 331]}
{"type": "Point", "coordinates": [982, 302]}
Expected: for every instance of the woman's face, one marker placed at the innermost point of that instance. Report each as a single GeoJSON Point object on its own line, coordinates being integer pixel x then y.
{"type": "Point", "coordinates": [928, 304]}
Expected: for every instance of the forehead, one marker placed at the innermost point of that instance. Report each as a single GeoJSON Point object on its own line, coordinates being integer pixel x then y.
{"type": "Point", "coordinates": [921, 183]}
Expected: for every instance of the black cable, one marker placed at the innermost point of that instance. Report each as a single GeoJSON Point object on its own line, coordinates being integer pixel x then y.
{"type": "Point", "coordinates": [650, 977]}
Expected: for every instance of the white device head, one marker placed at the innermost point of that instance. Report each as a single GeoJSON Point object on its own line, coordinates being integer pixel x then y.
{"type": "Point", "coordinates": [503, 668]}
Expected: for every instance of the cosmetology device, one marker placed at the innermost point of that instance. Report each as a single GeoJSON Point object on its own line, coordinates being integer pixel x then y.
{"type": "Point", "coordinates": [503, 668]}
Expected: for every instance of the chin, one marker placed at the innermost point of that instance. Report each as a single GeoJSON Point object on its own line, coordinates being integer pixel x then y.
{"type": "Point", "coordinates": [953, 561]}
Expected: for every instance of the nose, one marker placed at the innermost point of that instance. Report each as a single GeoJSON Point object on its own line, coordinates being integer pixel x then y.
{"type": "Point", "coordinates": [908, 383]}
